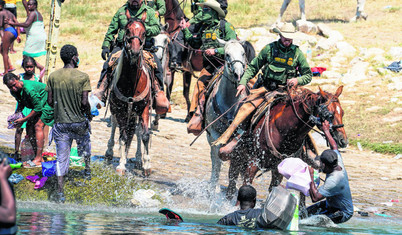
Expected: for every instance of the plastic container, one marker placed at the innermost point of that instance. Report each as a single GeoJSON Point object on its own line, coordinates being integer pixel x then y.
{"type": "Point", "coordinates": [27, 152]}
{"type": "Point", "coordinates": [94, 102]}
{"type": "Point", "coordinates": [279, 209]}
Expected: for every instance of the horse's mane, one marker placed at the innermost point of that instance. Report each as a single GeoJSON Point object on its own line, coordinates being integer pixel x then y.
{"type": "Point", "coordinates": [173, 6]}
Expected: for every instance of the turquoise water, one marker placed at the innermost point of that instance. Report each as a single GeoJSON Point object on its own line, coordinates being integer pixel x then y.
{"type": "Point", "coordinates": [53, 218]}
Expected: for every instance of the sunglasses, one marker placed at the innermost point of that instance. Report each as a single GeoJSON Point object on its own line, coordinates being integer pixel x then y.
{"type": "Point", "coordinates": [206, 9]}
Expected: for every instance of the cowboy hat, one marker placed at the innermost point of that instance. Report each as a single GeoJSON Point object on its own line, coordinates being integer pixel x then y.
{"type": "Point", "coordinates": [287, 31]}
{"type": "Point", "coordinates": [214, 5]}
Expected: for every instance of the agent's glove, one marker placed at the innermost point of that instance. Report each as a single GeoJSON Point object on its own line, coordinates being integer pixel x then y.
{"type": "Point", "coordinates": [105, 52]}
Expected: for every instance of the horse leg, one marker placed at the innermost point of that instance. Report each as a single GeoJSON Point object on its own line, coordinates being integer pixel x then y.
{"type": "Point", "coordinates": [110, 143]}
{"type": "Point", "coordinates": [186, 93]}
{"type": "Point", "coordinates": [121, 168]}
{"type": "Point", "coordinates": [216, 168]}
{"type": "Point", "coordinates": [234, 171]}
{"type": "Point", "coordinates": [251, 171]}
{"type": "Point", "coordinates": [302, 206]}
{"type": "Point", "coordinates": [145, 136]}
{"type": "Point", "coordinates": [276, 178]}
{"type": "Point", "coordinates": [155, 123]}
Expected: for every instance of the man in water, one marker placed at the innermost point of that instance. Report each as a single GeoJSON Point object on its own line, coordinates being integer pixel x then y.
{"type": "Point", "coordinates": [247, 216]}
{"type": "Point", "coordinates": [68, 90]}
{"type": "Point", "coordinates": [338, 205]}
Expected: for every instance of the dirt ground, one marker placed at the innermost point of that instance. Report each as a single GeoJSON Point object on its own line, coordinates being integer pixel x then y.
{"type": "Point", "coordinates": [374, 178]}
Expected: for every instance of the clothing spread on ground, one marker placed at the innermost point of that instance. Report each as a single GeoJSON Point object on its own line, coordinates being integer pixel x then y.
{"type": "Point", "coordinates": [67, 85]}
{"type": "Point", "coordinates": [249, 218]}
{"type": "Point", "coordinates": [336, 189]}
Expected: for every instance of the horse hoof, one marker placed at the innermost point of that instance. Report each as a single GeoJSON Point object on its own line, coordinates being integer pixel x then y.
{"type": "Point", "coordinates": [147, 172]}
{"type": "Point", "coordinates": [154, 127]}
{"type": "Point", "coordinates": [121, 172]}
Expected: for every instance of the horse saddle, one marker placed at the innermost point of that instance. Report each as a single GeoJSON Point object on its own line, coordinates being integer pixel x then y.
{"type": "Point", "coordinates": [216, 77]}
{"type": "Point", "coordinates": [270, 99]}
{"type": "Point", "coordinates": [114, 59]}
{"type": "Point", "coordinates": [149, 59]}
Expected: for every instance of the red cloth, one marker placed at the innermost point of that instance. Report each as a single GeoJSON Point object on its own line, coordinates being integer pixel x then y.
{"type": "Point", "coordinates": [318, 69]}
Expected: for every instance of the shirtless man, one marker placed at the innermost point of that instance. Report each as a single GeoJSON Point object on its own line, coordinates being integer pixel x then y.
{"type": "Point", "coordinates": [8, 36]}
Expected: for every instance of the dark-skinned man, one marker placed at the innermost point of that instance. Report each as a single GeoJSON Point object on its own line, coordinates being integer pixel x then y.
{"type": "Point", "coordinates": [206, 39]}
{"type": "Point", "coordinates": [68, 90]}
{"type": "Point", "coordinates": [338, 205]}
{"type": "Point", "coordinates": [247, 216]}
{"type": "Point", "coordinates": [135, 9]}
{"type": "Point", "coordinates": [281, 62]}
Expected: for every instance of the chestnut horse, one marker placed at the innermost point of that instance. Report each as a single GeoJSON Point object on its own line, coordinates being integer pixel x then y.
{"type": "Point", "coordinates": [282, 131]}
{"type": "Point", "coordinates": [130, 98]}
{"type": "Point", "coordinates": [193, 58]}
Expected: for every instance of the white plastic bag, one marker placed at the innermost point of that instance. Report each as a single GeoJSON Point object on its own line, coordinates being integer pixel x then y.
{"type": "Point", "coordinates": [94, 101]}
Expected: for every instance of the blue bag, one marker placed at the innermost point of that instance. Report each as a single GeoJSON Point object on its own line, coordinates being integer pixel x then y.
{"type": "Point", "coordinates": [49, 168]}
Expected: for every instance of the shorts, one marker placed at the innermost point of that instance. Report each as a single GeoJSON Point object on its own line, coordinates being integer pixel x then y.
{"type": "Point", "coordinates": [12, 30]}
{"type": "Point", "coordinates": [64, 134]}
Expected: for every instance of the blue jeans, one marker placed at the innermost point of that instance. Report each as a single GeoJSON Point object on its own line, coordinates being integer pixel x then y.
{"type": "Point", "coordinates": [64, 134]}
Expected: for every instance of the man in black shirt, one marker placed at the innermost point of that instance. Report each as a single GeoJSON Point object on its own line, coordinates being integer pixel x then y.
{"type": "Point", "coordinates": [247, 216]}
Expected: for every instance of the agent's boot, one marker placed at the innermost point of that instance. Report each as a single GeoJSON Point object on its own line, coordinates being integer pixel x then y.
{"type": "Point", "coordinates": [245, 110]}
{"type": "Point", "coordinates": [225, 151]}
{"type": "Point", "coordinates": [162, 104]}
{"type": "Point", "coordinates": [195, 124]}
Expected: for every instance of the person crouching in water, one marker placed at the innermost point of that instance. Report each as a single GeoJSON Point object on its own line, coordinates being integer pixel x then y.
{"type": "Point", "coordinates": [280, 61]}
{"type": "Point", "coordinates": [338, 205]}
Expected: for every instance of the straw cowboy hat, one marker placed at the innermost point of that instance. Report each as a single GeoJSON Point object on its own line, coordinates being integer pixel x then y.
{"type": "Point", "coordinates": [287, 31]}
{"type": "Point", "coordinates": [214, 5]}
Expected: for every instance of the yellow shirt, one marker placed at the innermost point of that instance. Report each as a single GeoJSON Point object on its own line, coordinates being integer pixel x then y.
{"type": "Point", "coordinates": [11, 1]}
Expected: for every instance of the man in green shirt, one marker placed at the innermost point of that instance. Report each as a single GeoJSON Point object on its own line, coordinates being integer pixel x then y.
{"type": "Point", "coordinates": [158, 5]}
{"type": "Point", "coordinates": [31, 94]}
{"type": "Point", "coordinates": [280, 61]}
{"type": "Point", "coordinates": [133, 9]}
{"type": "Point", "coordinates": [68, 90]}
{"type": "Point", "coordinates": [206, 39]}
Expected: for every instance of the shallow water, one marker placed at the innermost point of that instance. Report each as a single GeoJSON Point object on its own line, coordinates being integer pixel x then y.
{"type": "Point", "coordinates": [51, 218]}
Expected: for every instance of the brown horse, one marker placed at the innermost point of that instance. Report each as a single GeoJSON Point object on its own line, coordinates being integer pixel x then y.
{"type": "Point", "coordinates": [282, 131]}
{"type": "Point", "coordinates": [130, 98]}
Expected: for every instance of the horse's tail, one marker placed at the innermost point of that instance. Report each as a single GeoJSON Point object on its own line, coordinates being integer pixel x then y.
{"type": "Point", "coordinates": [249, 49]}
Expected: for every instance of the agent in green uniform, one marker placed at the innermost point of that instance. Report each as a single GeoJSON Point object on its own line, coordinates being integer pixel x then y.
{"type": "Point", "coordinates": [32, 95]}
{"type": "Point", "coordinates": [206, 39]}
{"type": "Point", "coordinates": [278, 61]}
{"type": "Point", "coordinates": [158, 5]}
{"type": "Point", "coordinates": [136, 9]}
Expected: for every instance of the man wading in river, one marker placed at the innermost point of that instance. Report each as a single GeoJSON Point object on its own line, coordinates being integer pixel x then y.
{"type": "Point", "coordinates": [68, 93]}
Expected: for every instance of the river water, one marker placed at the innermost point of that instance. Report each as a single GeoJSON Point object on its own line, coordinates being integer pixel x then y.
{"type": "Point", "coordinates": [52, 218]}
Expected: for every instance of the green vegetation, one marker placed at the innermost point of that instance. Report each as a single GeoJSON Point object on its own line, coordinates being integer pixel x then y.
{"type": "Point", "coordinates": [105, 187]}
{"type": "Point", "coordinates": [388, 148]}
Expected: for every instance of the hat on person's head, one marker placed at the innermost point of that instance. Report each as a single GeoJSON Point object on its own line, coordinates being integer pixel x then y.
{"type": "Point", "coordinates": [287, 31]}
{"type": "Point", "coordinates": [329, 158]}
{"type": "Point", "coordinates": [214, 5]}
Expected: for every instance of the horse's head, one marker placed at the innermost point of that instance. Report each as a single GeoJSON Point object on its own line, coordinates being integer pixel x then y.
{"type": "Point", "coordinates": [330, 109]}
{"type": "Point", "coordinates": [161, 42]}
{"type": "Point", "coordinates": [235, 58]}
{"type": "Point", "coordinates": [134, 38]}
